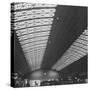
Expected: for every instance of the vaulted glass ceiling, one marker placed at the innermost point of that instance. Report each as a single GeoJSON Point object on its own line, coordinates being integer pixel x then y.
{"type": "Point", "coordinates": [51, 36]}
{"type": "Point", "coordinates": [32, 23]}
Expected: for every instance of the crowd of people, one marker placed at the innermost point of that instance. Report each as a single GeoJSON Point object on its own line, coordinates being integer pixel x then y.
{"type": "Point", "coordinates": [73, 78]}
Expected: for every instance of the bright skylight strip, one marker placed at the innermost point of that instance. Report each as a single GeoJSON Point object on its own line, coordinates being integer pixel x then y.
{"type": "Point", "coordinates": [34, 12]}
{"type": "Point", "coordinates": [35, 46]}
{"type": "Point", "coordinates": [24, 5]}
{"type": "Point", "coordinates": [34, 43]}
{"type": "Point", "coordinates": [33, 40]}
{"type": "Point", "coordinates": [32, 23]}
{"type": "Point", "coordinates": [33, 30]}
{"type": "Point", "coordinates": [29, 36]}
{"type": "Point", "coordinates": [34, 16]}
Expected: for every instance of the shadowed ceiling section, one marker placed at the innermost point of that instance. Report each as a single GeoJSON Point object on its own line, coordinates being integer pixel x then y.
{"type": "Point", "coordinates": [68, 24]}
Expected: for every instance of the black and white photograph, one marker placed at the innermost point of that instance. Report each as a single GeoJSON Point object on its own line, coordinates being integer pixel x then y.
{"type": "Point", "coordinates": [49, 44]}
